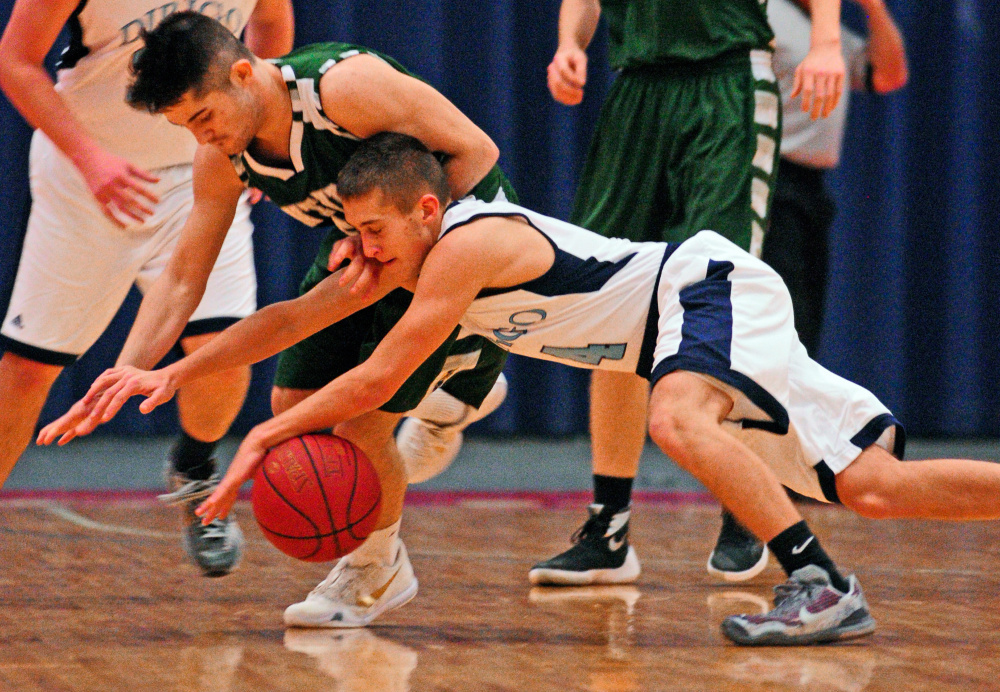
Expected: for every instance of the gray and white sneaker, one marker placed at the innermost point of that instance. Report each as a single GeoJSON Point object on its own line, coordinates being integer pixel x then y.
{"type": "Point", "coordinates": [354, 595]}
{"type": "Point", "coordinates": [430, 437]}
{"type": "Point", "coordinates": [807, 610]}
{"type": "Point", "coordinates": [215, 548]}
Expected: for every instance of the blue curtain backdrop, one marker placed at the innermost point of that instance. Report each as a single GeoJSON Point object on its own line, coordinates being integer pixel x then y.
{"type": "Point", "coordinates": [912, 306]}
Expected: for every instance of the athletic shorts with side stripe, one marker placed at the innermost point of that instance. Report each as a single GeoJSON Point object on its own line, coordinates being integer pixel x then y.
{"type": "Point", "coordinates": [683, 148]}
{"type": "Point", "coordinates": [466, 366]}
{"type": "Point", "coordinates": [727, 317]}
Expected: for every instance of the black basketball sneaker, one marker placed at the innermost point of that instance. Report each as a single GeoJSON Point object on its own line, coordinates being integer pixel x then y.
{"type": "Point", "coordinates": [738, 554]}
{"type": "Point", "coordinates": [600, 554]}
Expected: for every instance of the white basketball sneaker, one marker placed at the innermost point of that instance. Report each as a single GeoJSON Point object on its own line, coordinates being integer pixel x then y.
{"type": "Point", "coordinates": [429, 439]}
{"type": "Point", "coordinates": [353, 595]}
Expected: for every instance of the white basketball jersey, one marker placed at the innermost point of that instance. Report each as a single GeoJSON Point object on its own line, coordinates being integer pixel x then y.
{"type": "Point", "coordinates": [590, 309]}
{"type": "Point", "coordinates": [93, 74]}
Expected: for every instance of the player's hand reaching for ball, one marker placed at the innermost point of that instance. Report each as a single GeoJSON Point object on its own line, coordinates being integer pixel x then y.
{"type": "Point", "coordinates": [567, 75]}
{"type": "Point", "coordinates": [248, 457]}
{"type": "Point", "coordinates": [105, 398]}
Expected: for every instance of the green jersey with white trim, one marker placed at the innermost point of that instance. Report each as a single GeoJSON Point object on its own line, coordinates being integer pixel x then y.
{"type": "Point", "coordinates": [655, 32]}
{"type": "Point", "coordinates": [319, 148]}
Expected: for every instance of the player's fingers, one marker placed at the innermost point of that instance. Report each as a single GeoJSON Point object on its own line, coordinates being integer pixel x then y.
{"type": "Point", "coordinates": [141, 189]}
{"type": "Point", "coordinates": [797, 82]}
{"type": "Point", "coordinates": [119, 399]}
{"type": "Point", "coordinates": [354, 270]}
{"type": "Point", "coordinates": [128, 204]}
{"type": "Point", "coordinates": [819, 96]}
{"type": "Point", "coordinates": [808, 88]}
{"type": "Point", "coordinates": [344, 249]}
{"type": "Point", "coordinates": [255, 196]}
{"type": "Point", "coordinates": [365, 281]}
{"type": "Point", "coordinates": [159, 396]}
{"type": "Point", "coordinates": [145, 175]}
{"type": "Point", "coordinates": [102, 404]}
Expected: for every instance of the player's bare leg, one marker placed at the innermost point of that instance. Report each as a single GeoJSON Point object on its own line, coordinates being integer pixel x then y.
{"type": "Point", "coordinates": [24, 386]}
{"type": "Point", "coordinates": [377, 576]}
{"type": "Point", "coordinates": [877, 485]}
{"type": "Point", "coordinates": [601, 553]}
{"type": "Point", "coordinates": [206, 407]}
{"type": "Point", "coordinates": [686, 415]}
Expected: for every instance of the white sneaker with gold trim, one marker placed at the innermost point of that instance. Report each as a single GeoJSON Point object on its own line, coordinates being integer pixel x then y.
{"type": "Point", "coordinates": [354, 595]}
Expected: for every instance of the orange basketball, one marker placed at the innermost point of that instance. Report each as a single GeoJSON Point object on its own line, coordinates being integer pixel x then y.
{"type": "Point", "coordinates": [316, 497]}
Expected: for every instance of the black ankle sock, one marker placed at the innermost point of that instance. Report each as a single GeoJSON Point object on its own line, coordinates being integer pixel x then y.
{"type": "Point", "coordinates": [192, 457]}
{"type": "Point", "coordinates": [796, 547]}
{"type": "Point", "coordinates": [614, 493]}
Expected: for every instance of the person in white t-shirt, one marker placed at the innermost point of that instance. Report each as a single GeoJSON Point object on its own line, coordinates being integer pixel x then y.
{"type": "Point", "coordinates": [796, 245]}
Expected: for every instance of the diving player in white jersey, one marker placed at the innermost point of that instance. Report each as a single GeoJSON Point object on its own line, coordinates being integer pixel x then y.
{"type": "Point", "coordinates": [735, 399]}
{"type": "Point", "coordinates": [111, 188]}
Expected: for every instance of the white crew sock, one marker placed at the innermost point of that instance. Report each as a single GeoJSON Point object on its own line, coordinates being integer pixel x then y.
{"type": "Point", "coordinates": [381, 546]}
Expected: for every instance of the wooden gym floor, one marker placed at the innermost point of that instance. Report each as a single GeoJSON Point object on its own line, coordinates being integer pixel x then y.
{"type": "Point", "coordinates": [97, 595]}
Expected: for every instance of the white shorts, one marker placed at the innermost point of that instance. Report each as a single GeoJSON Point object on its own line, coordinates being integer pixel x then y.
{"type": "Point", "coordinates": [77, 266]}
{"type": "Point", "coordinates": [727, 317]}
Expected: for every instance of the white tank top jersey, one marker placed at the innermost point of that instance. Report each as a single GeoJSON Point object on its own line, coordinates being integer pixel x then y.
{"type": "Point", "coordinates": [589, 310]}
{"type": "Point", "coordinates": [94, 72]}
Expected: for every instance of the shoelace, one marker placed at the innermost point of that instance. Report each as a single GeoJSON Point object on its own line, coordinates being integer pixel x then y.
{"type": "Point", "coordinates": [216, 530]}
{"type": "Point", "coordinates": [791, 595]}
{"type": "Point", "coordinates": [590, 527]}
{"type": "Point", "coordinates": [191, 491]}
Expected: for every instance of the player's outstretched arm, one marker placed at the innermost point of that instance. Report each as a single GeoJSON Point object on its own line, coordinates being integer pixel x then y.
{"type": "Point", "coordinates": [820, 77]}
{"type": "Point", "coordinates": [252, 339]}
{"type": "Point", "coordinates": [448, 284]}
{"type": "Point", "coordinates": [567, 73]}
{"type": "Point", "coordinates": [270, 31]}
{"type": "Point", "coordinates": [33, 27]}
{"type": "Point", "coordinates": [366, 96]}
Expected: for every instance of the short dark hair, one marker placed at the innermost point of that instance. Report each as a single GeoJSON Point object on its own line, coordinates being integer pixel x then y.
{"type": "Point", "coordinates": [400, 166]}
{"type": "Point", "coordinates": [186, 51]}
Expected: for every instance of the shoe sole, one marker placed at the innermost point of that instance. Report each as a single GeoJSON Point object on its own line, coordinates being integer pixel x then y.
{"type": "Point", "coordinates": [400, 599]}
{"type": "Point", "coordinates": [739, 636]}
{"type": "Point", "coordinates": [745, 575]}
{"type": "Point", "coordinates": [626, 574]}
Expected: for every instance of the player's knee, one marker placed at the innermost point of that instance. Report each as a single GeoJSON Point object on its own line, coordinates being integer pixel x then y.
{"type": "Point", "coordinates": [671, 430]}
{"type": "Point", "coordinates": [871, 497]}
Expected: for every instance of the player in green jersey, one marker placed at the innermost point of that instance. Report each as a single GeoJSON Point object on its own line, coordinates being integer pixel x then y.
{"type": "Point", "coordinates": [688, 139]}
{"type": "Point", "coordinates": [287, 127]}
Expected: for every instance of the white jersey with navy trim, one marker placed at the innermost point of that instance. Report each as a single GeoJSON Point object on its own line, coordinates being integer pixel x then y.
{"type": "Point", "coordinates": [93, 74]}
{"type": "Point", "coordinates": [563, 315]}
{"type": "Point", "coordinates": [703, 306]}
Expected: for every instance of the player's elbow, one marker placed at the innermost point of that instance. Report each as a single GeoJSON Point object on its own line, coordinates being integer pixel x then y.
{"type": "Point", "coordinates": [892, 78]}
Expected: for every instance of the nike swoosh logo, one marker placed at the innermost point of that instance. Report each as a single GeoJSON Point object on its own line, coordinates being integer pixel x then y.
{"type": "Point", "coordinates": [615, 544]}
{"type": "Point", "coordinates": [369, 600]}
{"type": "Point", "coordinates": [799, 548]}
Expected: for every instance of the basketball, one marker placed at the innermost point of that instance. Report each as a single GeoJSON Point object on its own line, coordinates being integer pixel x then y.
{"type": "Point", "coordinates": [316, 497]}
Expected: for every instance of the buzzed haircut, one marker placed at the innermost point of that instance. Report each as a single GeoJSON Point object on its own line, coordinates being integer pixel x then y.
{"type": "Point", "coordinates": [399, 166]}
{"type": "Point", "coordinates": [187, 51]}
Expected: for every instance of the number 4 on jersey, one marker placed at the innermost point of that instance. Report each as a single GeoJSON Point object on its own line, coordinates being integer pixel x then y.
{"type": "Point", "coordinates": [591, 355]}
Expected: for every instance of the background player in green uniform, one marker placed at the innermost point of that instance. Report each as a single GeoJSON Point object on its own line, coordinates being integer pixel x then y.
{"type": "Point", "coordinates": [287, 127]}
{"type": "Point", "coordinates": [688, 139]}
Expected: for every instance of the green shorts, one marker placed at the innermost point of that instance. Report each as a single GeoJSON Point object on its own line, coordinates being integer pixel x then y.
{"type": "Point", "coordinates": [681, 149]}
{"type": "Point", "coordinates": [464, 367]}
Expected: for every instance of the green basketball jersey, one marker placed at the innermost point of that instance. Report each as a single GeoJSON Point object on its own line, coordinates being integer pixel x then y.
{"type": "Point", "coordinates": [652, 32]}
{"type": "Point", "coordinates": [319, 147]}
